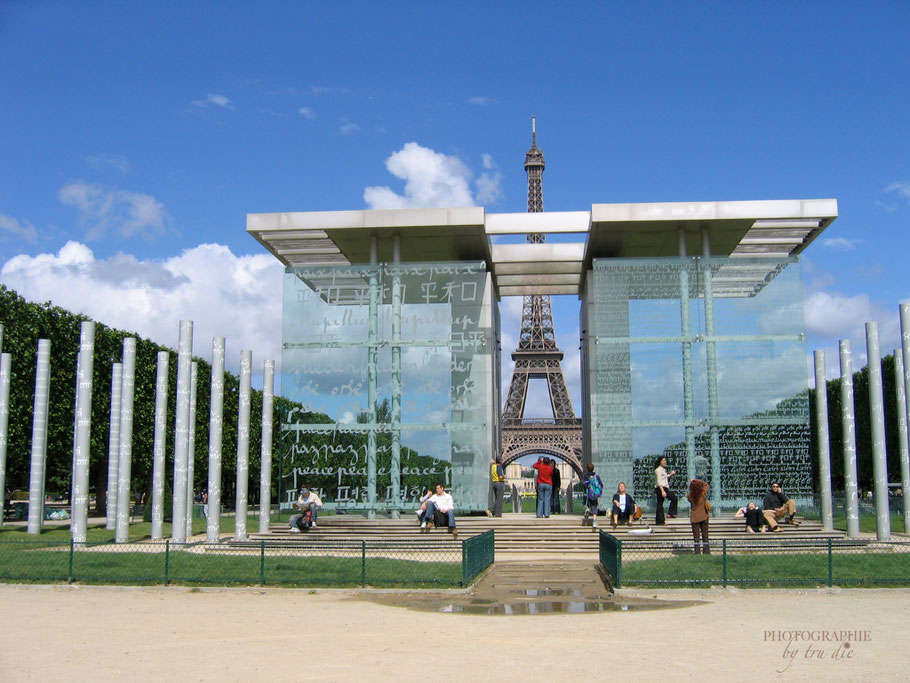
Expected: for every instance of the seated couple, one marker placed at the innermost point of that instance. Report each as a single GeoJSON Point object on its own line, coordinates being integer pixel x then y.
{"type": "Point", "coordinates": [437, 509]}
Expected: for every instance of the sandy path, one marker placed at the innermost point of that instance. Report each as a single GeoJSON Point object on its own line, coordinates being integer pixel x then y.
{"type": "Point", "coordinates": [100, 633]}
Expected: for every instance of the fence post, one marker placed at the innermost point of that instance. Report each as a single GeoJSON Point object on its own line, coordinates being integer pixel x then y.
{"type": "Point", "coordinates": [72, 549]}
{"type": "Point", "coordinates": [167, 561]}
{"type": "Point", "coordinates": [262, 562]}
{"type": "Point", "coordinates": [724, 541]}
{"type": "Point", "coordinates": [464, 564]}
{"type": "Point", "coordinates": [618, 563]}
{"type": "Point", "coordinates": [363, 564]}
{"type": "Point", "coordinates": [830, 569]}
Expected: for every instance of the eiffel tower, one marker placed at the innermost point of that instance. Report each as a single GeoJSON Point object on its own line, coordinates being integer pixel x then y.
{"type": "Point", "coordinates": [539, 357]}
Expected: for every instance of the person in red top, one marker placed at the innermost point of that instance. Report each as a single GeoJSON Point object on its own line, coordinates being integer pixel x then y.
{"type": "Point", "coordinates": [544, 468]}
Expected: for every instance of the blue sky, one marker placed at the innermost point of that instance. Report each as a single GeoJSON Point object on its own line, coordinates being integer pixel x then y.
{"type": "Point", "coordinates": [135, 137]}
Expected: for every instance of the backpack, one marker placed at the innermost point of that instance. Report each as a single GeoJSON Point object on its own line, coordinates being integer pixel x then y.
{"type": "Point", "coordinates": [595, 487]}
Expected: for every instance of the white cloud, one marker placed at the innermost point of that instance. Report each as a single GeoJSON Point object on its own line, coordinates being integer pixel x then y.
{"type": "Point", "coordinates": [480, 101]}
{"type": "Point", "coordinates": [348, 127]}
{"type": "Point", "coordinates": [236, 297]}
{"type": "Point", "coordinates": [214, 100]}
{"type": "Point", "coordinates": [11, 227]}
{"type": "Point", "coordinates": [901, 188]}
{"type": "Point", "coordinates": [111, 210]}
{"type": "Point", "coordinates": [307, 112]}
{"type": "Point", "coordinates": [432, 179]}
{"type": "Point", "coordinates": [115, 161]}
{"type": "Point", "coordinates": [836, 315]}
{"type": "Point", "coordinates": [841, 243]}
{"type": "Point", "coordinates": [489, 182]}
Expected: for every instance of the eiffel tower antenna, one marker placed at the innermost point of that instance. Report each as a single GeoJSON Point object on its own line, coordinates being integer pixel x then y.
{"type": "Point", "coordinates": [539, 357]}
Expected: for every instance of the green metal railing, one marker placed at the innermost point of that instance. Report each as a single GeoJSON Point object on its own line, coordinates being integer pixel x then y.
{"type": "Point", "coordinates": [265, 562]}
{"type": "Point", "coordinates": [764, 562]}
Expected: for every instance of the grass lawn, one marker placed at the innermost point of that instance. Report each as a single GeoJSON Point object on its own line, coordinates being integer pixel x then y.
{"type": "Point", "coordinates": [860, 568]}
{"type": "Point", "coordinates": [867, 523]}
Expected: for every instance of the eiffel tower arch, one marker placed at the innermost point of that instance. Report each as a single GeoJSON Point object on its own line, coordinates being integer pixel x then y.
{"type": "Point", "coordinates": [538, 357]}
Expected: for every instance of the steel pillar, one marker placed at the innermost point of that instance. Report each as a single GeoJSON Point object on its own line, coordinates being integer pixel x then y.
{"type": "Point", "coordinates": [877, 418]}
{"type": "Point", "coordinates": [686, 331]}
{"type": "Point", "coordinates": [216, 414]}
{"type": "Point", "coordinates": [848, 429]}
{"type": "Point", "coordinates": [82, 443]}
{"type": "Point", "coordinates": [905, 352]}
{"type": "Point", "coordinates": [824, 443]}
{"type": "Point", "coordinates": [113, 446]}
{"type": "Point", "coordinates": [903, 439]}
{"type": "Point", "coordinates": [395, 466]}
{"type": "Point", "coordinates": [39, 437]}
{"type": "Point", "coordinates": [181, 429]}
{"type": "Point", "coordinates": [191, 450]}
{"type": "Point", "coordinates": [711, 362]}
{"type": "Point", "coordinates": [265, 448]}
{"type": "Point", "coordinates": [5, 374]}
{"type": "Point", "coordinates": [243, 446]}
{"type": "Point", "coordinates": [160, 446]}
{"type": "Point", "coordinates": [124, 469]}
{"type": "Point", "coordinates": [372, 376]}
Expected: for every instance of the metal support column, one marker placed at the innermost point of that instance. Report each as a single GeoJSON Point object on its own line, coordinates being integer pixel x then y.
{"type": "Point", "coordinates": [160, 446]}
{"type": "Point", "coordinates": [903, 438]}
{"type": "Point", "coordinates": [82, 445]}
{"type": "Point", "coordinates": [39, 437]}
{"type": "Point", "coordinates": [181, 429]}
{"type": "Point", "coordinates": [5, 375]}
{"type": "Point", "coordinates": [905, 352]}
{"type": "Point", "coordinates": [711, 362]}
{"type": "Point", "coordinates": [216, 426]}
{"type": "Point", "coordinates": [372, 376]}
{"type": "Point", "coordinates": [824, 443]}
{"type": "Point", "coordinates": [265, 448]}
{"type": "Point", "coordinates": [877, 418]}
{"type": "Point", "coordinates": [686, 331]}
{"type": "Point", "coordinates": [848, 429]}
{"type": "Point", "coordinates": [243, 446]}
{"type": "Point", "coordinates": [395, 466]}
{"type": "Point", "coordinates": [124, 469]}
{"type": "Point", "coordinates": [191, 450]}
{"type": "Point", "coordinates": [113, 446]}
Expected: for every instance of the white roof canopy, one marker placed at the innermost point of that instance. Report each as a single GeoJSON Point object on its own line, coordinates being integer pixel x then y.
{"type": "Point", "coordinates": [747, 229]}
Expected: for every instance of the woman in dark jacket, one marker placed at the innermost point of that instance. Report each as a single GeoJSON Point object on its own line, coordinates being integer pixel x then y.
{"type": "Point", "coordinates": [698, 514]}
{"type": "Point", "coordinates": [623, 506]}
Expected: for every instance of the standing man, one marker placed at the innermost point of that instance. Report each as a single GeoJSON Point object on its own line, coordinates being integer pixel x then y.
{"type": "Point", "coordinates": [777, 505]}
{"type": "Point", "coordinates": [557, 482]}
{"type": "Point", "coordinates": [544, 486]}
{"type": "Point", "coordinates": [442, 503]}
{"type": "Point", "coordinates": [594, 488]}
{"type": "Point", "coordinates": [498, 476]}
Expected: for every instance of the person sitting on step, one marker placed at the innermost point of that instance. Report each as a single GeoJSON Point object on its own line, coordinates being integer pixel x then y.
{"type": "Point", "coordinates": [307, 504]}
{"type": "Point", "coordinates": [440, 510]}
{"type": "Point", "coordinates": [755, 521]}
{"type": "Point", "coordinates": [623, 506]}
{"type": "Point", "coordinates": [777, 505]}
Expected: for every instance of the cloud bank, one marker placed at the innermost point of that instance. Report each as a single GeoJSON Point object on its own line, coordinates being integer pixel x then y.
{"type": "Point", "coordinates": [105, 211]}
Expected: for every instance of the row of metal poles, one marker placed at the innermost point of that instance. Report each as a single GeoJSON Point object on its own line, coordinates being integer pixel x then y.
{"type": "Point", "coordinates": [877, 419]}
{"type": "Point", "coordinates": [121, 435]}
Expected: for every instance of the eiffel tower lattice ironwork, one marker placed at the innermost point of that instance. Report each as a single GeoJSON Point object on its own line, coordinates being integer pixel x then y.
{"type": "Point", "coordinates": [538, 357]}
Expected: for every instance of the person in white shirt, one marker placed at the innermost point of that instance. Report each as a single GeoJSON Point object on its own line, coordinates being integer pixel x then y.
{"type": "Point", "coordinates": [307, 502]}
{"type": "Point", "coordinates": [623, 510]}
{"type": "Point", "coordinates": [662, 490]}
{"type": "Point", "coordinates": [442, 503]}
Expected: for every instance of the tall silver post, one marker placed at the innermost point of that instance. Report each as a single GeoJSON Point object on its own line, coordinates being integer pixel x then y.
{"type": "Point", "coordinates": [216, 414]}
{"type": "Point", "coordinates": [848, 429]}
{"type": "Point", "coordinates": [82, 445]}
{"type": "Point", "coordinates": [243, 445]}
{"type": "Point", "coordinates": [124, 470]}
{"type": "Point", "coordinates": [113, 446]}
{"type": "Point", "coordinates": [372, 375]}
{"type": "Point", "coordinates": [905, 466]}
{"type": "Point", "coordinates": [824, 443]}
{"type": "Point", "coordinates": [191, 449]}
{"type": "Point", "coordinates": [877, 417]}
{"type": "Point", "coordinates": [39, 437]}
{"type": "Point", "coordinates": [181, 429]}
{"type": "Point", "coordinates": [711, 362]}
{"type": "Point", "coordinates": [265, 447]}
{"type": "Point", "coordinates": [395, 417]}
{"type": "Point", "coordinates": [903, 438]}
{"type": "Point", "coordinates": [160, 445]}
{"type": "Point", "coordinates": [5, 374]}
{"type": "Point", "coordinates": [688, 389]}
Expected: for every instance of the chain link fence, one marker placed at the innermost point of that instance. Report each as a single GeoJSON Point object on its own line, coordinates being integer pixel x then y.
{"type": "Point", "coordinates": [765, 562]}
{"type": "Point", "coordinates": [265, 562]}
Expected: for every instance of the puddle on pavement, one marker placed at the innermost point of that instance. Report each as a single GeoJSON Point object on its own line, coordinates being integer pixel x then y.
{"type": "Point", "coordinates": [468, 604]}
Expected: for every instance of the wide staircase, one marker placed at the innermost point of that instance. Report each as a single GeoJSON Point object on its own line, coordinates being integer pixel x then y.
{"type": "Point", "coordinates": [521, 536]}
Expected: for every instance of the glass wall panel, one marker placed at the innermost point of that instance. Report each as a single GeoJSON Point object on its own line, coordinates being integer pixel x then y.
{"type": "Point", "coordinates": [390, 370]}
{"type": "Point", "coordinates": [701, 360]}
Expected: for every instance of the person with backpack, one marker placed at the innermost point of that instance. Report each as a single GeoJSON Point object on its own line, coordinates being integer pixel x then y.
{"type": "Point", "coordinates": [593, 488]}
{"type": "Point", "coordinates": [307, 504]}
{"type": "Point", "coordinates": [544, 486]}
